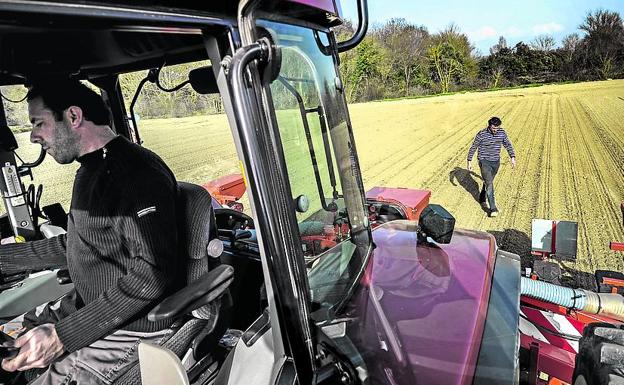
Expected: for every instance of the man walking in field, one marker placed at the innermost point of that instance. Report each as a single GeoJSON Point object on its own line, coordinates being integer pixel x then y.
{"type": "Point", "coordinates": [489, 141]}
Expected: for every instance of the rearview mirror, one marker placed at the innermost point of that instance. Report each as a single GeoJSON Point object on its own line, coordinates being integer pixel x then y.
{"type": "Point", "coordinates": [203, 80]}
{"type": "Point", "coordinates": [437, 223]}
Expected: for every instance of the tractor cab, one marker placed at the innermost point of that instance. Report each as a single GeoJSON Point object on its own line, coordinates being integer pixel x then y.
{"type": "Point", "coordinates": [319, 282]}
{"type": "Point", "coordinates": [273, 69]}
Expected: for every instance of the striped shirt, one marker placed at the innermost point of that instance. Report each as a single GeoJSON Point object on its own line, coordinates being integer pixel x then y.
{"type": "Point", "coordinates": [489, 145]}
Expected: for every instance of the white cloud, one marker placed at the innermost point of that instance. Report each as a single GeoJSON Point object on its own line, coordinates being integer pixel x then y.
{"type": "Point", "coordinates": [547, 28]}
{"type": "Point", "coordinates": [485, 32]}
{"type": "Point", "coordinates": [513, 32]}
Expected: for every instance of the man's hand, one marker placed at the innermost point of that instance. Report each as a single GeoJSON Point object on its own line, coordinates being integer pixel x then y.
{"type": "Point", "coordinates": [469, 166]}
{"type": "Point", "coordinates": [513, 162]}
{"type": "Point", "coordinates": [38, 348]}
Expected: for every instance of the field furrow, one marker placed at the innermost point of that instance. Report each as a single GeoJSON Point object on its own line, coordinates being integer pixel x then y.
{"type": "Point", "coordinates": [569, 141]}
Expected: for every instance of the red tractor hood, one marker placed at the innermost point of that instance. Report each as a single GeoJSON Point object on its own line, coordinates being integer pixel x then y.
{"type": "Point", "coordinates": [431, 302]}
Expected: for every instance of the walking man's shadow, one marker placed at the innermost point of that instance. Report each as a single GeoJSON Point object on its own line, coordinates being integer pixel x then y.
{"type": "Point", "coordinates": [466, 180]}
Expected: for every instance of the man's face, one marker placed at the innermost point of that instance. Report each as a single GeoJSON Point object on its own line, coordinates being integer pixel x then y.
{"type": "Point", "coordinates": [56, 137]}
{"type": "Point", "coordinates": [494, 128]}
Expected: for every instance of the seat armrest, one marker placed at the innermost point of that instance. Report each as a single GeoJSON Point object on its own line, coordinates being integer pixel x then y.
{"type": "Point", "coordinates": [199, 293]}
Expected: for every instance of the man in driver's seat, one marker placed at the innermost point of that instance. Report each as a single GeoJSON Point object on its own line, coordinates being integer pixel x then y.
{"type": "Point", "coordinates": [120, 246]}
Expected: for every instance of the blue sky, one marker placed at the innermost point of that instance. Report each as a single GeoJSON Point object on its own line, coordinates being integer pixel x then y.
{"type": "Point", "coordinates": [485, 21]}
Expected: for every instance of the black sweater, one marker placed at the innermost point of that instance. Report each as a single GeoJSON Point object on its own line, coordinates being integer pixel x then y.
{"type": "Point", "coordinates": [120, 246]}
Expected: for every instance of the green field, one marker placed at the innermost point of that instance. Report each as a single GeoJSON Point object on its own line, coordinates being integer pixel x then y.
{"type": "Point", "coordinates": [569, 141]}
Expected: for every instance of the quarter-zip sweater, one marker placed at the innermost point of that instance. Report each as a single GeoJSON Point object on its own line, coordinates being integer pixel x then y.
{"type": "Point", "coordinates": [120, 247]}
{"type": "Point", "coordinates": [489, 145]}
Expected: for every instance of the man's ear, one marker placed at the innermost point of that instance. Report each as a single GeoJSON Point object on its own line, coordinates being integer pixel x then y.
{"type": "Point", "coordinates": [74, 116]}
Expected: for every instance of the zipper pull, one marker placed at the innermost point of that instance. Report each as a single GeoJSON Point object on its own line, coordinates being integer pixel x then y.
{"type": "Point", "coordinates": [104, 151]}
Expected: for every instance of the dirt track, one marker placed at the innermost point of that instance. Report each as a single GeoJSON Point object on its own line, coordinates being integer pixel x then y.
{"type": "Point", "coordinates": [569, 141]}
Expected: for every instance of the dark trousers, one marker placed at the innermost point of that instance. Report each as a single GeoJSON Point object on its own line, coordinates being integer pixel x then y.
{"type": "Point", "coordinates": [488, 172]}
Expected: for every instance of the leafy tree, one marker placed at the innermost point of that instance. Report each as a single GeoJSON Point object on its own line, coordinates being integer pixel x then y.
{"type": "Point", "coordinates": [451, 59]}
{"type": "Point", "coordinates": [603, 41]}
{"type": "Point", "coordinates": [406, 45]}
{"type": "Point", "coordinates": [446, 62]}
{"type": "Point", "coordinates": [353, 67]}
{"type": "Point", "coordinates": [364, 67]}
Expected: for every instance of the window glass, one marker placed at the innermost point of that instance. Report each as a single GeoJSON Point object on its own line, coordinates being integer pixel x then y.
{"type": "Point", "coordinates": [320, 160]}
{"type": "Point", "coordinates": [57, 180]}
{"type": "Point", "coordinates": [188, 130]}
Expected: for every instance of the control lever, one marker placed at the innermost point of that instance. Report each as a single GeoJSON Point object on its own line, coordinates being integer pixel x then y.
{"type": "Point", "coordinates": [8, 281]}
{"type": "Point", "coordinates": [242, 234]}
{"type": "Point", "coordinates": [238, 234]}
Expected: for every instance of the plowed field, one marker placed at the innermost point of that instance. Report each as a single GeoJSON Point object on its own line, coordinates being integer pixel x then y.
{"type": "Point", "coordinates": [569, 141]}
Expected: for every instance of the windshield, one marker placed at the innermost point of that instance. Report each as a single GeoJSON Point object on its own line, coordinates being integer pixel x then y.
{"type": "Point", "coordinates": [322, 166]}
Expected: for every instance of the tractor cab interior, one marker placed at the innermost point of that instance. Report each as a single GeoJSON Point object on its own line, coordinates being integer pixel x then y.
{"type": "Point", "coordinates": [99, 55]}
{"type": "Point", "coordinates": [101, 45]}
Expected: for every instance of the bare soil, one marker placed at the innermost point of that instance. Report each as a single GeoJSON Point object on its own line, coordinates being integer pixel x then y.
{"type": "Point", "coordinates": [569, 143]}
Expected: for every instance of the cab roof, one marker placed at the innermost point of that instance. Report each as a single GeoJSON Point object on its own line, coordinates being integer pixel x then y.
{"type": "Point", "coordinates": [87, 39]}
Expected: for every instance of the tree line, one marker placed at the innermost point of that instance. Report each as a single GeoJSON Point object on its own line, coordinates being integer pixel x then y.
{"type": "Point", "coordinates": [152, 102]}
{"type": "Point", "coordinates": [399, 59]}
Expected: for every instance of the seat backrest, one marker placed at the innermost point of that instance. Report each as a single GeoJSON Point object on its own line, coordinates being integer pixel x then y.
{"type": "Point", "coordinates": [196, 228]}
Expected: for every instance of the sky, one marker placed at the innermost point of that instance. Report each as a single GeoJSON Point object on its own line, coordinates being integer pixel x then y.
{"type": "Point", "coordinates": [485, 21]}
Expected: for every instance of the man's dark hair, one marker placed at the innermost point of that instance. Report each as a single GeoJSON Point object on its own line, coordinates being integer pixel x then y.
{"type": "Point", "coordinates": [494, 121]}
{"type": "Point", "coordinates": [58, 95]}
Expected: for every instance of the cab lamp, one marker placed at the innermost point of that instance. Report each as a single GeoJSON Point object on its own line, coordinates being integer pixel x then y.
{"type": "Point", "coordinates": [437, 223]}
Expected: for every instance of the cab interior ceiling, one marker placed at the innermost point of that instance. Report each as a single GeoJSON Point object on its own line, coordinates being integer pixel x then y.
{"type": "Point", "coordinates": [89, 53]}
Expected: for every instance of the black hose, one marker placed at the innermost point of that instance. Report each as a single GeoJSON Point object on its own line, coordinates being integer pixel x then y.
{"type": "Point", "coordinates": [175, 88]}
{"type": "Point", "coordinates": [36, 163]}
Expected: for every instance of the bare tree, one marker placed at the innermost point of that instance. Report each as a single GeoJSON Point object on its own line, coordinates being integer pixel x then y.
{"type": "Point", "coordinates": [571, 44]}
{"type": "Point", "coordinates": [571, 49]}
{"type": "Point", "coordinates": [544, 43]}
{"type": "Point", "coordinates": [498, 73]}
{"type": "Point", "coordinates": [496, 48]}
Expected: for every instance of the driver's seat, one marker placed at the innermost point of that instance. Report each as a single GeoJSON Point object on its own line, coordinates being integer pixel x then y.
{"type": "Point", "coordinates": [202, 308]}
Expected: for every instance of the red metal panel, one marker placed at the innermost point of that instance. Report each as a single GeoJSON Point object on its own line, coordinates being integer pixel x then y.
{"type": "Point", "coordinates": [580, 316]}
{"type": "Point", "coordinates": [617, 246]}
{"type": "Point", "coordinates": [552, 360]}
{"type": "Point", "coordinates": [414, 201]}
{"type": "Point", "coordinates": [226, 189]}
{"type": "Point", "coordinates": [547, 324]}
